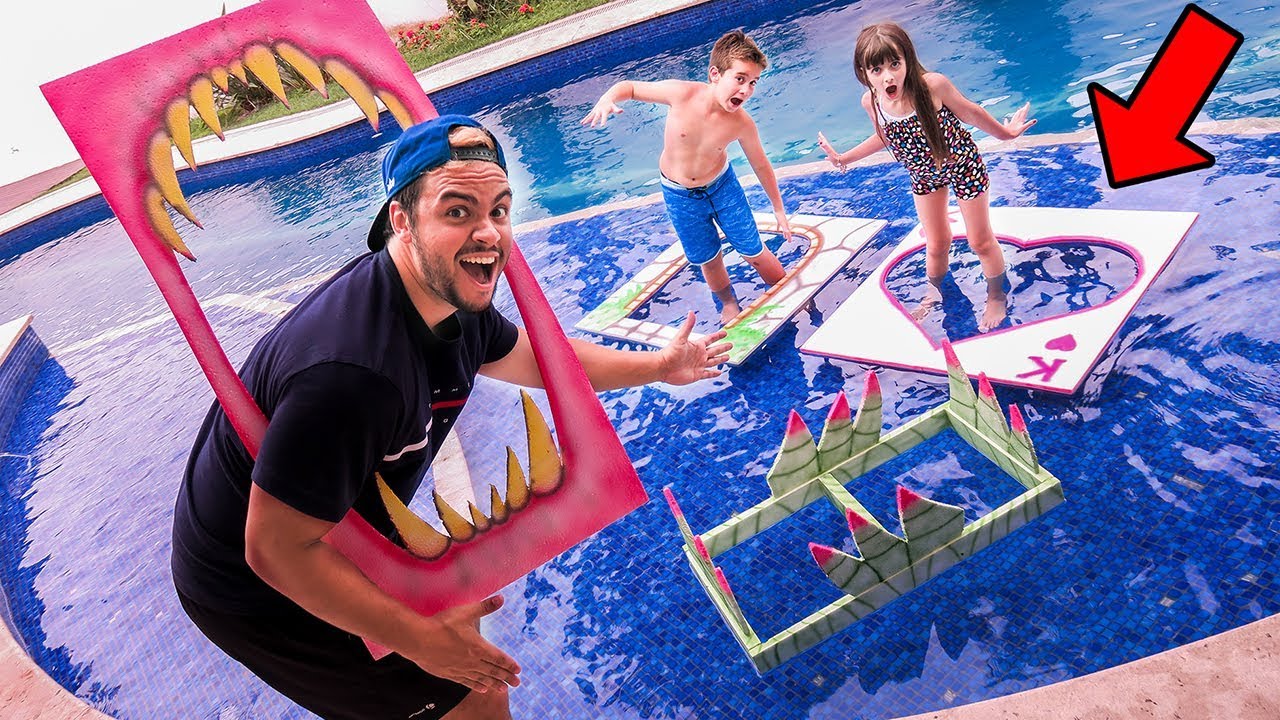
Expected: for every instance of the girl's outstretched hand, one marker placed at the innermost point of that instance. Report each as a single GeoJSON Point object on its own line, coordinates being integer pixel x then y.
{"type": "Point", "coordinates": [832, 156]}
{"type": "Point", "coordinates": [1018, 122]}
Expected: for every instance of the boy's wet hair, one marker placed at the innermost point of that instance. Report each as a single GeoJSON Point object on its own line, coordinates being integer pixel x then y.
{"type": "Point", "coordinates": [883, 43]}
{"type": "Point", "coordinates": [461, 136]}
{"type": "Point", "coordinates": [735, 45]}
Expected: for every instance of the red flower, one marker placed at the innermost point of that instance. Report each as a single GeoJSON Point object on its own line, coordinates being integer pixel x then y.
{"type": "Point", "coordinates": [435, 26]}
{"type": "Point", "coordinates": [525, 8]}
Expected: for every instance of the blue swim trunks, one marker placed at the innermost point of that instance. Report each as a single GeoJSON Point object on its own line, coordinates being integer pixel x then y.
{"type": "Point", "coordinates": [695, 212]}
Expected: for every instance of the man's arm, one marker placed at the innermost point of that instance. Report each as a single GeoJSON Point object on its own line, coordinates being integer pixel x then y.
{"type": "Point", "coordinates": [679, 363]}
{"type": "Point", "coordinates": [665, 92]}
{"type": "Point", "coordinates": [749, 140]}
{"type": "Point", "coordinates": [974, 114]}
{"type": "Point", "coordinates": [285, 548]}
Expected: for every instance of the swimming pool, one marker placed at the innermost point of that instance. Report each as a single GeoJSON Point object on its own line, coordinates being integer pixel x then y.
{"type": "Point", "coordinates": [1165, 457]}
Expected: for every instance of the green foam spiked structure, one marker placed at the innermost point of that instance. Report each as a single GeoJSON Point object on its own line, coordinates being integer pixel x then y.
{"type": "Point", "coordinates": [935, 536]}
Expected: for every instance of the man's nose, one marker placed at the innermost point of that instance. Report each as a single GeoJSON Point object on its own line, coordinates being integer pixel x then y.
{"type": "Point", "coordinates": [486, 231]}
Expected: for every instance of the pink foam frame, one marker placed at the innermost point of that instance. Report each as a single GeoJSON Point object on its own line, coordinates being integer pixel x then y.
{"type": "Point", "coordinates": [112, 112]}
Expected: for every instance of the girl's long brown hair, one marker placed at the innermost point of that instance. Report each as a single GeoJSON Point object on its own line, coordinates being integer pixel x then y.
{"type": "Point", "coordinates": [882, 43]}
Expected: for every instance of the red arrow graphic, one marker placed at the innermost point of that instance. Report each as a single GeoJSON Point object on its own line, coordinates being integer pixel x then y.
{"type": "Point", "coordinates": [1144, 138]}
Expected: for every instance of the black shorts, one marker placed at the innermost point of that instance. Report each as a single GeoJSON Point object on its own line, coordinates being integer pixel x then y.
{"type": "Point", "coordinates": [324, 669]}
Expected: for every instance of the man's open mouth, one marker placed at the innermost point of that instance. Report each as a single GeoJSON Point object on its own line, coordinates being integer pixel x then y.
{"type": "Point", "coordinates": [735, 101]}
{"type": "Point", "coordinates": [480, 268]}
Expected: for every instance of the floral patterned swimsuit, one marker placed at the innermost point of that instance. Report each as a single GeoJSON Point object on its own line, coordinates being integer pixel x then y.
{"type": "Point", "coordinates": [964, 172]}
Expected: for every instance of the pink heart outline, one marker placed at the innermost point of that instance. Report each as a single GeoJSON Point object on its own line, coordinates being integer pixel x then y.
{"type": "Point", "coordinates": [1128, 250]}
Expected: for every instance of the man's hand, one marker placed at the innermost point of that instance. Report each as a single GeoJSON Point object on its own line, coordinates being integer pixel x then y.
{"type": "Point", "coordinates": [454, 649]}
{"type": "Point", "coordinates": [1018, 123]}
{"type": "Point", "coordinates": [784, 227]}
{"type": "Point", "coordinates": [685, 361]}
{"type": "Point", "coordinates": [599, 114]}
{"type": "Point", "coordinates": [833, 157]}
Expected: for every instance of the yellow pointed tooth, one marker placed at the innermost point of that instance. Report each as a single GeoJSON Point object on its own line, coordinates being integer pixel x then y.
{"type": "Point", "coordinates": [202, 101]}
{"type": "Point", "coordinates": [220, 77]}
{"type": "Point", "coordinates": [305, 66]}
{"type": "Point", "coordinates": [177, 118]}
{"type": "Point", "coordinates": [397, 109]}
{"type": "Point", "coordinates": [160, 161]}
{"type": "Point", "coordinates": [356, 87]}
{"type": "Point", "coordinates": [454, 524]}
{"type": "Point", "coordinates": [260, 60]}
{"type": "Point", "coordinates": [478, 519]}
{"type": "Point", "coordinates": [237, 68]}
{"type": "Point", "coordinates": [545, 470]}
{"type": "Point", "coordinates": [421, 539]}
{"type": "Point", "coordinates": [498, 508]}
{"type": "Point", "coordinates": [161, 223]}
{"type": "Point", "coordinates": [517, 488]}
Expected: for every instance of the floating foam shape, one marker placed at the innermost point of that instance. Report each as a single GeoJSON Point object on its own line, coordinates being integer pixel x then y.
{"type": "Point", "coordinates": [833, 241]}
{"type": "Point", "coordinates": [935, 534]}
{"type": "Point", "coordinates": [1056, 353]}
{"type": "Point", "coordinates": [989, 413]}
{"type": "Point", "coordinates": [797, 461]}
{"type": "Point", "coordinates": [124, 138]}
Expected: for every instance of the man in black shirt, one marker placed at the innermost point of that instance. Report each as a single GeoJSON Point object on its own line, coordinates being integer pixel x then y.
{"type": "Point", "coordinates": [367, 375]}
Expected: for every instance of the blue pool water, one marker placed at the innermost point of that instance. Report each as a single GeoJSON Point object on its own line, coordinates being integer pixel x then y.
{"type": "Point", "coordinates": [1166, 455]}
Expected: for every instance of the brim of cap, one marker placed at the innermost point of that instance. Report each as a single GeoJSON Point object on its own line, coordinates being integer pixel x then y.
{"type": "Point", "coordinates": [378, 230]}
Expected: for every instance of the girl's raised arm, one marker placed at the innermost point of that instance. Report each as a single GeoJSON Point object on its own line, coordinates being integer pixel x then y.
{"type": "Point", "coordinates": [970, 112]}
{"type": "Point", "coordinates": [873, 144]}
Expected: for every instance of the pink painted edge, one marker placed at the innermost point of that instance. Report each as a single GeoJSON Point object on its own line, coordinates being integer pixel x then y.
{"type": "Point", "coordinates": [821, 554]}
{"type": "Point", "coordinates": [796, 426]}
{"type": "Point", "coordinates": [724, 582]}
{"type": "Point", "coordinates": [839, 409]}
{"type": "Point", "coordinates": [671, 500]}
{"type": "Point", "coordinates": [906, 498]}
{"type": "Point", "coordinates": [1016, 383]}
{"type": "Point", "coordinates": [1015, 419]}
{"type": "Point", "coordinates": [701, 547]}
{"type": "Point", "coordinates": [855, 520]}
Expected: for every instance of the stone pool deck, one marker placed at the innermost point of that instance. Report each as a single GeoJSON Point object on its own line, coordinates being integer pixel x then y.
{"type": "Point", "coordinates": [1231, 676]}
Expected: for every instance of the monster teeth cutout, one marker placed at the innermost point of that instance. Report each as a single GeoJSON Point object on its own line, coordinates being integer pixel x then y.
{"type": "Point", "coordinates": [545, 470]}
{"type": "Point", "coordinates": [497, 508]}
{"type": "Point", "coordinates": [421, 539]}
{"type": "Point", "coordinates": [454, 524]}
{"type": "Point", "coordinates": [132, 159]}
{"type": "Point", "coordinates": [220, 78]}
{"type": "Point", "coordinates": [162, 224]}
{"type": "Point", "coordinates": [160, 162]}
{"type": "Point", "coordinates": [237, 68]}
{"type": "Point", "coordinates": [517, 488]}
{"type": "Point", "coordinates": [305, 66]}
{"type": "Point", "coordinates": [478, 519]}
{"type": "Point", "coordinates": [355, 86]}
{"type": "Point", "coordinates": [202, 101]}
{"type": "Point", "coordinates": [396, 108]}
{"type": "Point", "coordinates": [177, 119]}
{"type": "Point", "coordinates": [262, 62]}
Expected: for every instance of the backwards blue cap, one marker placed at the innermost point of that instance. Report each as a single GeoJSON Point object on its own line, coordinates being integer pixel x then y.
{"type": "Point", "coordinates": [419, 149]}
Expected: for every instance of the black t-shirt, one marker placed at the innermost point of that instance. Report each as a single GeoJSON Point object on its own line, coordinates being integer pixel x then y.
{"type": "Point", "coordinates": [353, 382]}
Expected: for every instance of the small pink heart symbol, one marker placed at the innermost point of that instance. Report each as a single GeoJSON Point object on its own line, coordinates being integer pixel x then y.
{"type": "Point", "coordinates": [1066, 343]}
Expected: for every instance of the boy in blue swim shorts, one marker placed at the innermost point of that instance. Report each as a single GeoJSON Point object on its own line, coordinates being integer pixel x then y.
{"type": "Point", "coordinates": [700, 189]}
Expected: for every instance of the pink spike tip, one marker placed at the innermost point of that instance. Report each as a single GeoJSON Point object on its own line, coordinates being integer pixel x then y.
{"type": "Point", "coordinates": [839, 409]}
{"type": "Point", "coordinates": [984, 387]}
{"type": "Point", "coordinates": [1015, 419]}
{"type": "Point", "coordinates": [873, 384]}
{"type": "Point", "coordinates": [821, 554]}
{"type": "Point", "coordinates": [855, 520]}
{"type": "Point", "coordinates": [906, 498]}
{"type": "Point", "coordinates": [795, 425]}
{"type": "Point", "coordinates": [671, 500]}
{"type": "Point", "coordinates": [701, 547]}
{"type": "Point", "coordinates": [724, 583]}
{"type": "Point", "coordinates": [950, 354]}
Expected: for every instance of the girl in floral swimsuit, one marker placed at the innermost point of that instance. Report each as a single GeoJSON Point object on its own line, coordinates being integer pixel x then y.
{"type": "Point", "coordinates": [936, 150]}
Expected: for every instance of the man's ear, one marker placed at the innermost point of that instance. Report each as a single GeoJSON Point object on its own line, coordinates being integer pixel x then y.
{"type": "Point", "coordinates": [713, 73]}
{"type": "Point", "coordinates": [397, 217]}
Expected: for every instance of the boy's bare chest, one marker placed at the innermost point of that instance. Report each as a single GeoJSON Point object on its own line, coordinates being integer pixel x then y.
{"type": "Point", "coordinates": [696, 131]}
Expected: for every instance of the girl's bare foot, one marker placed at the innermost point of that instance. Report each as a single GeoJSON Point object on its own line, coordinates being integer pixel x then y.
{"type": "Point", "coordinates": [728, 312]}
{"type": "Point", "coordinates": [993, 313]}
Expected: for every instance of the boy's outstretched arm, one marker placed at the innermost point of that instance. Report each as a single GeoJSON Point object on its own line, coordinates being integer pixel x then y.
{"type": "Point", "coordinates": [666, 92]}
{"type": "Point", "coordinates": [974, 114]}
{"type": "Point", "coordinates": [751, 147]}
